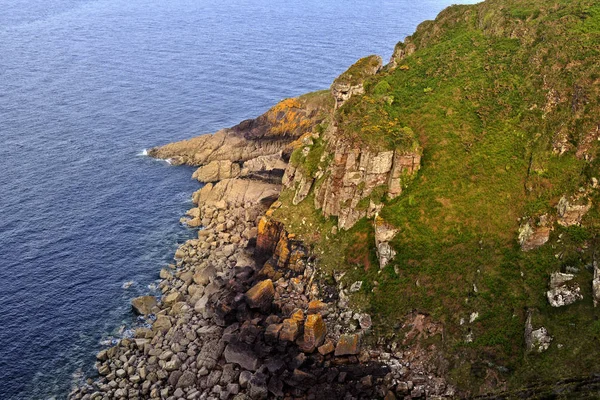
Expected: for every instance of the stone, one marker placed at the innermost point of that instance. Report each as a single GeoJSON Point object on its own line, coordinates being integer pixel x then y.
{"type": "Point", "coordinates": [173, 364]}
{"type": "Point", "coordinates": [258, 387]}
{"type": "Point", "coordinates": [272, 332]}
{"type": "Point", "coordinates": [289, 330]}
{"type": "Point", "coordinates": [210, 353]}
{"type": "Point", "coordinates": [172, 298]}
{"type": "Point", "coordinates": [242, 355]}
{"type": "Point", "coordinates": [316, 307]}
{"type": "Point", "coordinates": [355, 287]}
{"type": "Point", "coordinates": [562, 290]}
{"type": "Point", "coordinates": [188, 378]}
{"type": "Point", "coordinates": [540, 340]}
{"type": "Point", "coordinates": [384, 232]}
{"type": "Point", "coordinates": [533, 237]}
{"type": "Point", "coordinates": [364, 320]}
{"type": "Point", "coordinates": [144, 305]}
{"type": "Point", "coordinates": [326, 348]}
{"type": "Point", "coordinates": [569, 214]}
{"type": "Point", "coordinates": [297, 316]}
{"type": "Point", "coordinates": [104, 370]}
{"type": "Point", "coordinates": [162, 324]}
{"type": "Point", "coordinates": [261, 295]}
{"type": "Point", "coordinates": [347, 345]}
{"type": "Point", "coordinates": [245, 377]}
{"type": "Point", "coordinates": [314, 332]}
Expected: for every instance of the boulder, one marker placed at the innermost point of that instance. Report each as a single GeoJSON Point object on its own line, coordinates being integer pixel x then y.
{"type": "Point", "coordinates": [290, 330]}
{"type": "Point", "coordinates": [216, 171]}
{"type": "Point", "coordinates": [562, 290]}
{"type": "Point", "coordinates": [347, 345]}
{"type": "Point", "coordinates": [326, 348]}
{"type": "Point", "coordinates": [144, 305]}
{"type": "Point", "coordinates": [314, 332]}
{"type": "Point", "coordinates": [210, 353]}
{"type": "Point", "coordinates": [261, 295]}
{"type": "Point", "coordinates": [172, 298]}
{"type": "Point", "coordinates": [532, 237]}
{"type": "Point", "coordinates": [272, 332]}
{"type": "Point", "coordinates": [316, 307]}
{"type": "Point", "coordinates": [384, 232]}
{"type": "Point", "coordinates": [162, 324]}
{"type": "Point", "coordinates": [242, 355]}
{"type": "Point", "coordinates": [540, 340]}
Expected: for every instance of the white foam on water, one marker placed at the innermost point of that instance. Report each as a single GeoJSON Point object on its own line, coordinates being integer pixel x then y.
{"type": "Point", "coordinates": [127, 285]}
{"type": "Point", "coordinates": [144, 153]}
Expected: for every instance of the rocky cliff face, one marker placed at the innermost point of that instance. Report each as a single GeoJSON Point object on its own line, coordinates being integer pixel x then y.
{"type": "Point", "coordinates": [351, 180]}
{"type": "Point", "coordinates": [355, 182]}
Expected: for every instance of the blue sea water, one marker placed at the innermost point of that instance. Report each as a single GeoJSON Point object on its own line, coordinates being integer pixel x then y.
{"type": "Point", "coordinates": [85, 86]}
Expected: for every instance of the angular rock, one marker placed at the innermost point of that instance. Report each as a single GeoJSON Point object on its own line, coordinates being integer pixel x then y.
{"type": "Point", "coordinates": [533, 237]}
{"type": "Point", "coordinates": [144, 304]}
{"type": "Point", "coordinates": [188, 378]}
{"type": "Point", "coordinates": [242, 355]}
{"type": "Point", "coordinates": [347, 345]}
{"type": "Point", "coordinates": [316, 307]}
{"type": "Point", "coordinates": [210, 353]}
{"type": "Point", "coordinates": [261, 295]}
{"type": "Point", "coordinates": [326, 348]}
{"type": "Point", "coordinates": [289, 330]}
{"type": "Point", "coordinates": [570, 214]}
{"type": "Point", "coordinates": [172, 298]}
{"type": "Point", "coordinates": [162, 324]}
{"type": "Point", "coordinates": [384, 232]}
{"type": "Point", "coordinates": [314, 332]}
{"type": "Point", "coordinates": [258, 389]}
{"type": "Point", "coordinates": [272, 332]}
{"type": "Point", "coordinates": [562, 290]}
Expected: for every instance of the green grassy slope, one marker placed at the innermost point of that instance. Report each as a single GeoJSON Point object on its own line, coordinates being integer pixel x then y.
{"type": "Point", "coordinates": [494, 92]}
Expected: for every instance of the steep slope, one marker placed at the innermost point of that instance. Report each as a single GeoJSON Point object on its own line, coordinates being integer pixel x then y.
{"type": "Point", "coordinates": [502, 100]}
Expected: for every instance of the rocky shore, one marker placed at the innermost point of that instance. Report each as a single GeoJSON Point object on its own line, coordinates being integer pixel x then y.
{"type": "Point", "coordinates": [244, 313]}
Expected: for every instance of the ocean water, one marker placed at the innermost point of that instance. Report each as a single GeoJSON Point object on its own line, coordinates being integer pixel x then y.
{"type": "Point", "coordinates": [85, 86]}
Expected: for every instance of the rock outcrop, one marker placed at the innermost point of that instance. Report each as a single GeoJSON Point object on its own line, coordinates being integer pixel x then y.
{"type": "Point", "coordinates": [532, 235]}
{"type": "Point", "coordinates": [384, 232]}
{"type": "Point", "coordinates": [537, 340]}
{"type": "Point", "coordinates": [571, 214]}
{"type": "Point", "coordinates": [350, 83]}
{"type": "Point", "coordinates": [562, 290]}
{"type": "Point", "coordinates": [355, 181]}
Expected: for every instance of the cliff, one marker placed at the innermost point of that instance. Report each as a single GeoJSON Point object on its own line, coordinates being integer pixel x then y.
{"type": "Point", "coordinates": [442, 207]}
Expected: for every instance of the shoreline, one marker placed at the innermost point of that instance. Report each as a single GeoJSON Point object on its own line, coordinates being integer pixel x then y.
{"type": "Point", "coordinates": [242, 313]}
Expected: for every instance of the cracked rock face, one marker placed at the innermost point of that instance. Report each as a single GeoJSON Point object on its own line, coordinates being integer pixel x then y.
{"type": "Point", "coordinates": [533, 236]}
{"type": "Point", "coordinates": [562, 290]}
{"type": "Point", "coordinates": [571, 214]}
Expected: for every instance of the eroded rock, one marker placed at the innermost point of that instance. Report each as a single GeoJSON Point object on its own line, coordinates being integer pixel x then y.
{"type": "Point", "coordinates": [562, 290]}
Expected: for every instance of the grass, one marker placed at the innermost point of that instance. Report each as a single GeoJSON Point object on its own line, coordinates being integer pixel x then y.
{"type": "Point", "coordinates": [486, 95]}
